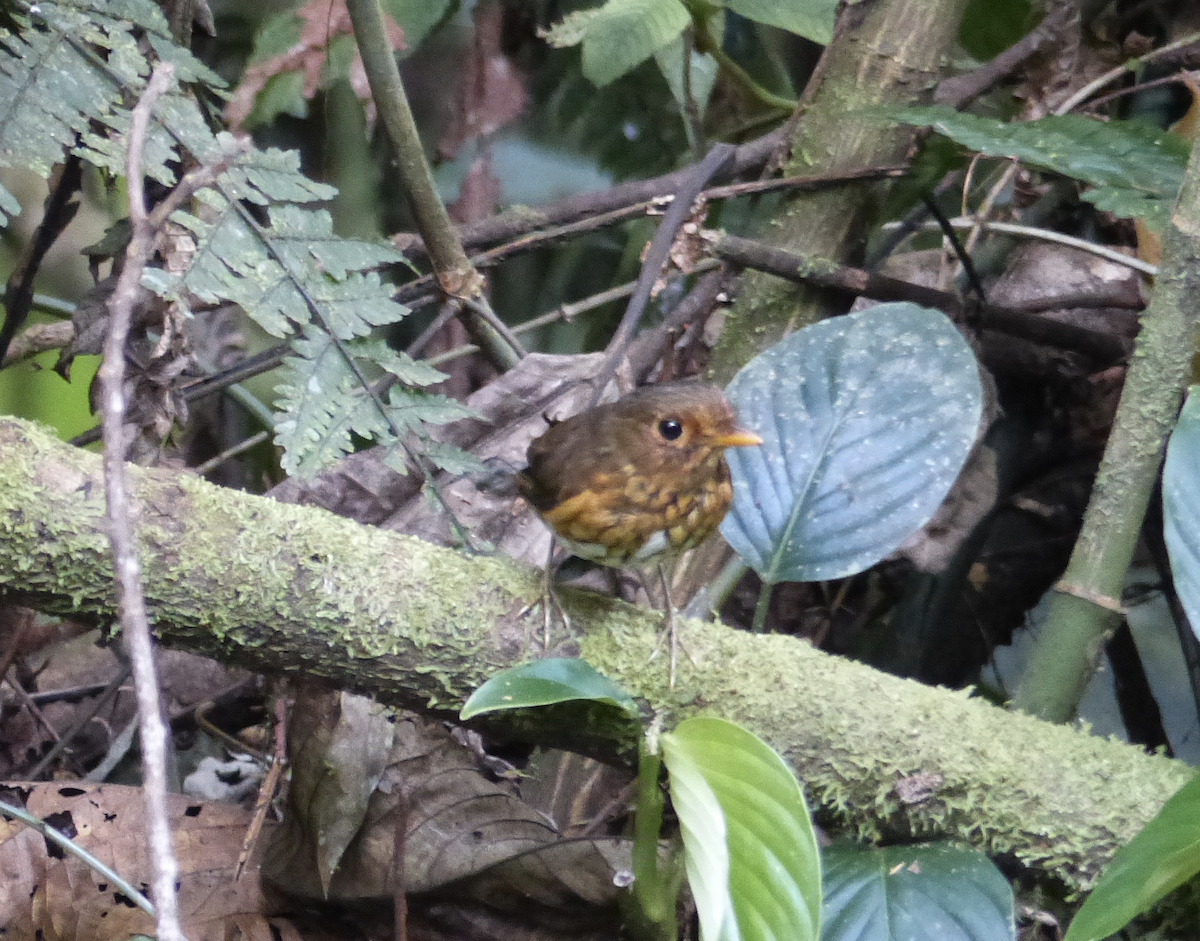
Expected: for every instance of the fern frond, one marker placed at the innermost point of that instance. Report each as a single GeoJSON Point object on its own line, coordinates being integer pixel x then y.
{"type": "Point", "coordinates": [325, 403]}
{"type": "Point", "coordinates": [70, 74]}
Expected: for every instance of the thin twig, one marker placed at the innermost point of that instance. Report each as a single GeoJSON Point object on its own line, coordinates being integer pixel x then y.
{"type": "Point", "coordinates": [1086, 92]}
{"type": "Point", "coordinates": [82, 718]}
{"type": "Point", "coordinates": [27, 701]}
{"type": "Point", "coordinates": [1179, 78]}
{"type": "Point", "coordinates": [240, 448]}
{"type": "Point", "coordinates": [539, 232]}
{"type": "Point", "coordinates": [516, 222]}
{"type": "Point", "coordinates": [961, 90]}
{"type": "Point", "coordinates": [1049, 235]}
{"type": "Point", "coordinates": [832, 276]}
{"type": "Point", "coordinates": [131, 604]}
{"type": "Point", "coordinates": [61, 207]}
{"type": "Point", "coordinates": [656, 257]}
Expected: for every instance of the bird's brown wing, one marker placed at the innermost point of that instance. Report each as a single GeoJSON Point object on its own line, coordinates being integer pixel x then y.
{"type": "Point", "coordinates": [568, 460]}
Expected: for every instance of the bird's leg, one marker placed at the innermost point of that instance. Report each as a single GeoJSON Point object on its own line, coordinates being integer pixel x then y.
{"type": "Point", "coordinates": [666, 571]}
{"type": "Point", "coordinates": [550, 600]}
{"type": "Point", "coordinates": [668, 621]}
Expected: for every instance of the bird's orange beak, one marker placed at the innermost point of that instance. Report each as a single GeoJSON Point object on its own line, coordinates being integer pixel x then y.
{"type": "Point", "coordinates": [738, 438]}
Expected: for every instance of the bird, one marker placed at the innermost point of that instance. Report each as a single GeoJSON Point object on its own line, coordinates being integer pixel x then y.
{"type": "Point", "coordinates": [636, 482]}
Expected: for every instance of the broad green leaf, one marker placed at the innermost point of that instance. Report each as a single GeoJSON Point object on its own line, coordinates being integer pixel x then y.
{"type": "Point", "coordinates": [866, 421]}
{"type": "Point", "coordinates": [1181, 506]}
{"type": "Point", "coordinates": [912, 893]}
{"type": "Point", "coordinates": [620, 34]}
{"type": "Point", "coordinates": [1164, 856]}
{"type": "Point", "coordinates": [812, 19]}
{"type": "Point", "coordinates": [544, 683]}
{"type": "Point", "coordinates": [701, 79]}
{"type": "Point", "coordinates": [749, 847]}
{"type": "Point", "coordinates": [1136, 169]}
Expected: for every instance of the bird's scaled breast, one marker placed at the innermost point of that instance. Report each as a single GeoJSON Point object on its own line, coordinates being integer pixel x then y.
{"type": "Point", "coordinates": [641, 520]}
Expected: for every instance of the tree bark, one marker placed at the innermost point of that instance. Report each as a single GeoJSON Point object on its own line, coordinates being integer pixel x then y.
{"type": "Point", "coordinates": [290, 589]}
{"type": "Point", "coordinates": [883, 53]}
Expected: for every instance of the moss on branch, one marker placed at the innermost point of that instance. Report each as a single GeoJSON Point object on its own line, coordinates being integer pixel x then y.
{"type": "Point", "coordinates": [290, 589]}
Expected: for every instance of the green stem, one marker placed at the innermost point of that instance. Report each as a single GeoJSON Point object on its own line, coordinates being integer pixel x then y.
{"type": "Point", "coordinates": [762, 608]}
{"type": "Point", "coordinates": [651, 887]}
{"type": "Point", "coordinates": [1085, 609]}
{"type": "Point", "coordinates": [706, 42]}
{"type": "Point", "coordinates": [456, 275]}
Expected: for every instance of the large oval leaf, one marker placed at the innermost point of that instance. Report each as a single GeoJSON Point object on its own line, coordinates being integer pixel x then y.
{"type": "Point", "coordinates": [911, 893]}
{"type": "Point", "coordinates": [812, 19]}
{"type": "Point", "coordinates": [1164, 856]}
{"type": "Point", "coordinates": [749, 847]}
{"type": "Point", "coordinates": [866, 421]}
{"type": "Point", "coordinates": [544, 683]}
{"type": "Point", "coordinates": [1181, 506]}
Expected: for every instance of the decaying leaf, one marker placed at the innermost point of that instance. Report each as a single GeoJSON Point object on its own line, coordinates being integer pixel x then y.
{"type": "Point", "coordinates": [462, 827]}
{"type": "Point", "coordinates": [46, 893]}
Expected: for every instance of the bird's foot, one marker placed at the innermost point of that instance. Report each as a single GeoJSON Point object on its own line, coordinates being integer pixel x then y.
{"type": "Point", "coordinates": [550, 605]}
{"type": "Point", "coordinates": [670, 633]}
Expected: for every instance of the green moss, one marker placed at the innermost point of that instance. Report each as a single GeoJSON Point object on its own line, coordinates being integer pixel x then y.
{"type": "Point", "coordinates": [296, 590]}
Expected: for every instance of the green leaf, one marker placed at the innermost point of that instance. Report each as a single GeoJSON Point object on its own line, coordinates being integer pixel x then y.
{"type": "Point", "coordinates": [620, 35]}
{"type": "Point", "coordinates": [866, 421]}
{"type": "Point", "coordinates": [910, 893]}
{"type": "Point", "coordinates": [1136, 170]}
{"type": "Point", "coordinates": [544, 683]}
{"type": "Point", "coordinates": [702, 76]}
{"type": "Point", "coordinates": [70, 72]}
{"type": "Point", "coordinates": [1181, 506]}
{"type": "Point", "coordinates": [417, 18]}
{"type": "Point", "coordinates": [324, 404]}
{"type": "Point", "coordinates": [812, 19]}
{"type": "Point", "coordinates": [1164, 856]}
{"type": "Point", "coordinates": [570, 30]}
{"type": "Point", "coordinates": [749, 846]}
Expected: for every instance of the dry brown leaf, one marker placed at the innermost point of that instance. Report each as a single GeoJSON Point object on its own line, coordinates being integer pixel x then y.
{"type": "Point", "coordinates": [463, 827]}
{"type": "Point", "coordinates": [55, 896]}
{"type": "Point", "coordinates": [339, 745]}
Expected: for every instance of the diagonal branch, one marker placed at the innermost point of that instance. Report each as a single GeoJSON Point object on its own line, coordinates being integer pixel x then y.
{"type": "Point", "coordinates": [296, 590]}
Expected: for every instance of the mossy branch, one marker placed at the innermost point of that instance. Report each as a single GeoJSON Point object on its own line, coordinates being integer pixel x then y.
{"type": "Point", "coordinates": [290, 589]}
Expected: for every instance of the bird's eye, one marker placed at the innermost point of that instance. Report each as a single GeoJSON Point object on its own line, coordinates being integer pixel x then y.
{"type": "Point", "coordinates": [670, 429]}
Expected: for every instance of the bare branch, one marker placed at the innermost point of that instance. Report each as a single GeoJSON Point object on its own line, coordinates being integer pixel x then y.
{"type": "Point", "coordinates": [131, 603]}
